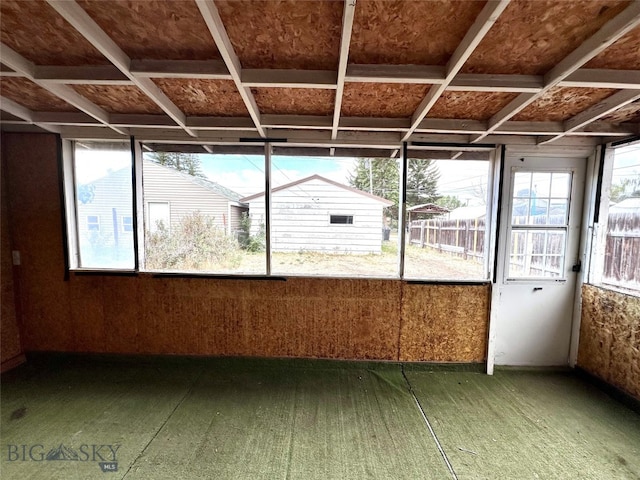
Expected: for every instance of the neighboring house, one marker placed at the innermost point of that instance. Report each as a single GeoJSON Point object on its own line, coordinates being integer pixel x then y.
{"type": "Point", "coordinates": [170, 195]}
{"type": "Point", "coordinates": [105, 219]}
{"type": "Point", "coordinates": [628, 205]}
{"type": "Point", "coordinates": [321, 215]}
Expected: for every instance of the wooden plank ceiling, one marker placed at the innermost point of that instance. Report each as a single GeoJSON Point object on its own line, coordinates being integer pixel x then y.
{"type": "Point", "coordinates": [329, 74]}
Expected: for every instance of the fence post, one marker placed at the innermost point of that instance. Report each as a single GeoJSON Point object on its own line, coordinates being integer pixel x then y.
{"type": "Point", "coordinates": [422, 234]}
{"type": "Point", "coordinates": [439, 235]}
{"type": "Point", "coordinates": [466, 238]}
{"type": "Point", "coordinates": [475, 237]}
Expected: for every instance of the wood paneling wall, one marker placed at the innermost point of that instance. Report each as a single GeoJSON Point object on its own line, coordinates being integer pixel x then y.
{"type": "Point", "coordinates": [299, 317]}
{"type": "Point", "coordinates": [609, 345]}
{"type": "Point", "coordinates": [10, 346]}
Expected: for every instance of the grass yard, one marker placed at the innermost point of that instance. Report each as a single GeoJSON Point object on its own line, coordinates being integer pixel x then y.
{"type": "Point", "coordinates": [421, 263]}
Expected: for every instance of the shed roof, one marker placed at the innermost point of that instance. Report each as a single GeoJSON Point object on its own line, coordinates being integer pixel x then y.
{"type": "Point", "coordinates": [287, 186]}
{"type": "Point", "coordinates": [358, 75]}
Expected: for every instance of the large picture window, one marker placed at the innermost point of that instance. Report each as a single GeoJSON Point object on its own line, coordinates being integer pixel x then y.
{"type": "Point", "coordinates": [333, 216]}
{"type": "Point", "coordinates": [195, 219]}
{"type": "Point", "coordinates": [322, 215]}
{"type": "Point", "coordinates": [103, 197]}
{"type": "Point", "coordinates": [446, 218]}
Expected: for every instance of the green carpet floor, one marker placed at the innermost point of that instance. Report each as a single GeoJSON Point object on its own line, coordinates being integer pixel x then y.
{"type": "Point", "coordinates": [299, 419]}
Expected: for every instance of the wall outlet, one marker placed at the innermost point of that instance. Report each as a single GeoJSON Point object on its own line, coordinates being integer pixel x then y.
{"type": "Point", "coordinates": [16, 257]}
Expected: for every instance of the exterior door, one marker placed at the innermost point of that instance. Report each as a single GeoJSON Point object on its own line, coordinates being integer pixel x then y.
{"type": "Point", "coordinates": [537, 255]}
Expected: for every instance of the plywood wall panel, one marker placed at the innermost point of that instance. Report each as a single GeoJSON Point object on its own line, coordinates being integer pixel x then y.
{"type": "Point", "coordinates": [10, 345]}
{"type": "Point", "coordinates": [295, 101]}
{"type": "Point", "coordinates": [392, 100]}
{"type": "Point", "coordinates": [204, 97]}
{"type": "Point", "coordinates": [410, 32]}
{"type": "Point", "coordinates": [30, 95]}
{"type": "Point", "coordinates": [444, 323]}
{"type": "Point", "coordinates": [299, 317]}
{"type": "Point", "coordinates": [609, 346]}
{"type": "Point", "coordinates": [119, 98]}
{"type": "Point", "coordinates": [284, 33]}
{"type": "Point", "coordinates": [36, 31]}
{"type": "Point", "coordinates": [562, 103]}
{"type": "Point", "coordinates": [530, 37]}
{"type": "Point", "coordinates": [34, 212]}
{"type": "Point", "coordinates": [470, 105]}
{"type": "Point", "coordinates": [154, 29]}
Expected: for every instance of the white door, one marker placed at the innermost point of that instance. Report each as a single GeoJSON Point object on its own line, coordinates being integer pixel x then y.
{"type": "Point", "coordinates": [537, 251]}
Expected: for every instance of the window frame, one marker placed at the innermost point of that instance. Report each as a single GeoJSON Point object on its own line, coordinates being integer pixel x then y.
{"type": "Point", "coordinates": [140, 211]}
{"type": "Point", "coordinates": [346, 217]}
{"type": "Point", "coordinates": [124, 226]}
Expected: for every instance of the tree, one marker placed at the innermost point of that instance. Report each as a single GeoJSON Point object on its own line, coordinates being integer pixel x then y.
{"type": "Point", "coordinates": [449, 201]}
{"type": "Point", "coordinates": [378, 176]}
{"type": "Point", "coordinates": [183, 162]}
{"type": "Point", "coordinates": [422, 182]}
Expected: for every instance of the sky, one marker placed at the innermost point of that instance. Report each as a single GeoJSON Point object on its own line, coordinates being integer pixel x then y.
{"type": "Point", "coordinates": [245, 173]}
{"type": "Point", "coordinates": [626, 163]}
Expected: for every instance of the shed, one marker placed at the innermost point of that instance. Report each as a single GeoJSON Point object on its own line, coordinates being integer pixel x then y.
{"type": "Point", "coordinates": [351, 219]}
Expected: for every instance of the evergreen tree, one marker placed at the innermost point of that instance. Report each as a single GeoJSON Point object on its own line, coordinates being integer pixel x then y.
{"type": "Point", "coordinates": [422, 182]}
{"type": "Point", "coordinates": [378, 176]}
{"type": "Point", "coordinates": [183, 162]}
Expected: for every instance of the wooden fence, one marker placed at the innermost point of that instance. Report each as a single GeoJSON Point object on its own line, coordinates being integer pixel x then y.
{"type": "Point", "coordinates": [464, 238]}
{"type": "Point", "coordinates": [622, 250]}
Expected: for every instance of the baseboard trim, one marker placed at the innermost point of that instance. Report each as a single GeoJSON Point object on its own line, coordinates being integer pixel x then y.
{"type": "Point", "coordinates": [620, 395]}
{"type": "Point", "coordinates": [12, 363]}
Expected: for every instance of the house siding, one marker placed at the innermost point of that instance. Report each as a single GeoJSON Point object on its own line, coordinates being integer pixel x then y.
{"type": "Point", "coordinates": [300, 219]}
{"type": "Point", "coordinates": [161, 184]}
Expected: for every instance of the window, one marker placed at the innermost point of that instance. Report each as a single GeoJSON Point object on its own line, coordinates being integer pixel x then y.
{"type": "Point", "coordinates": [341, 220]}
{"type": "Point", "coordinates": [93, 223]}
{"type": "Point", "coordinates": [103, 194]}
{"type": "Point", "coordinates": [196, 217]}
{"type": "Point", "coordinates": [127, 224]}
{"type": "Point", "coordinates": [615, 261]}
{"type": "Point", "coordinates": [333, 216]}
{"type": "Point", "coordinates": [446, 221]}
{"type": "Point", "coordinates": [539, 224]}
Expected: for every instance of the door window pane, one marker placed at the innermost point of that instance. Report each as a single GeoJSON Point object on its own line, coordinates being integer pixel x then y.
{"type": "Point", "coordinates": [103, 197]}
{"type": "Point", "coordinates": [536, 253]}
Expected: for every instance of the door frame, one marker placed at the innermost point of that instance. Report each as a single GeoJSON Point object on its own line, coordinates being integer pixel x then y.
{"type": "Point", "coordinates": [589, 155]}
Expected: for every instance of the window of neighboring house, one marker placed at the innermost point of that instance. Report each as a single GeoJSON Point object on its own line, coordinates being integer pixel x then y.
{"type": "Point", "coordinates": [93, 223]}
{"type": "Point", "coordinates": [195, 217]}
{"type": "Point", "coordinates": [315, 202]}
{"type": "Point", "coordinates": [341, 220]}
{"type": "Point", "coordinates": [127, 224]}
{"type": "Point", "coordinates": [447, 217]}
{"type": "Point", "coordinates": [103, 193]}
{"type": "Point", "coordinates": [615, 261]}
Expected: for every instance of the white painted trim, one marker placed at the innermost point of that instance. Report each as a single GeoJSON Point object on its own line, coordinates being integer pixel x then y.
{"type": "Point", "coordinates": [345, 41]}
{"type": "Point", "coordinates": [68, 181]}
{"type": "Point", "coordinates": [613, 30]}
{"type": "Point", "coordinates": [490, 255]}
{"type": "Point", "coordinates": [89, 29]}
{"type": "Point", "coordinates": [267, 205]}
{"type": "Point", "coordinates": [211, 17]}
{"type": "Point", "coordinates": [488, 16]}
{"type": "Point", "coordinates": [139, 203]}
{"type": "Point", "coordinates": [590, 184]}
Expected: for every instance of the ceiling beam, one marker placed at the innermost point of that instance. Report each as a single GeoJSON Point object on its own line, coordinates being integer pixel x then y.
{"type": "Point", "coordinates": [201, 69]}
{"type": "Point", "coordinates": [89, 29]}
{"type": "Point", "coordinates": [488, 16]}
{"type": "Point", "coordinates": [345, 42]}
{"type": "Point", "coordinates": [421, 74]}
{"type": "Point", "coordinates": [20, 64]}
{"type": "Point", "coordinates": [9, 106]}
{"type": "Point", "coordinates": [612, 31]}
{"type": "Point", "coordinates": [283, 78]}
{"type": "Point", "coordinates": [85, 75]}
{"type": "Point", "coordinates": [601, 78]}
{"type": "Point", "coordinates": [211, 17]}
{"type": "Point", "coordinates": [605, 107]}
